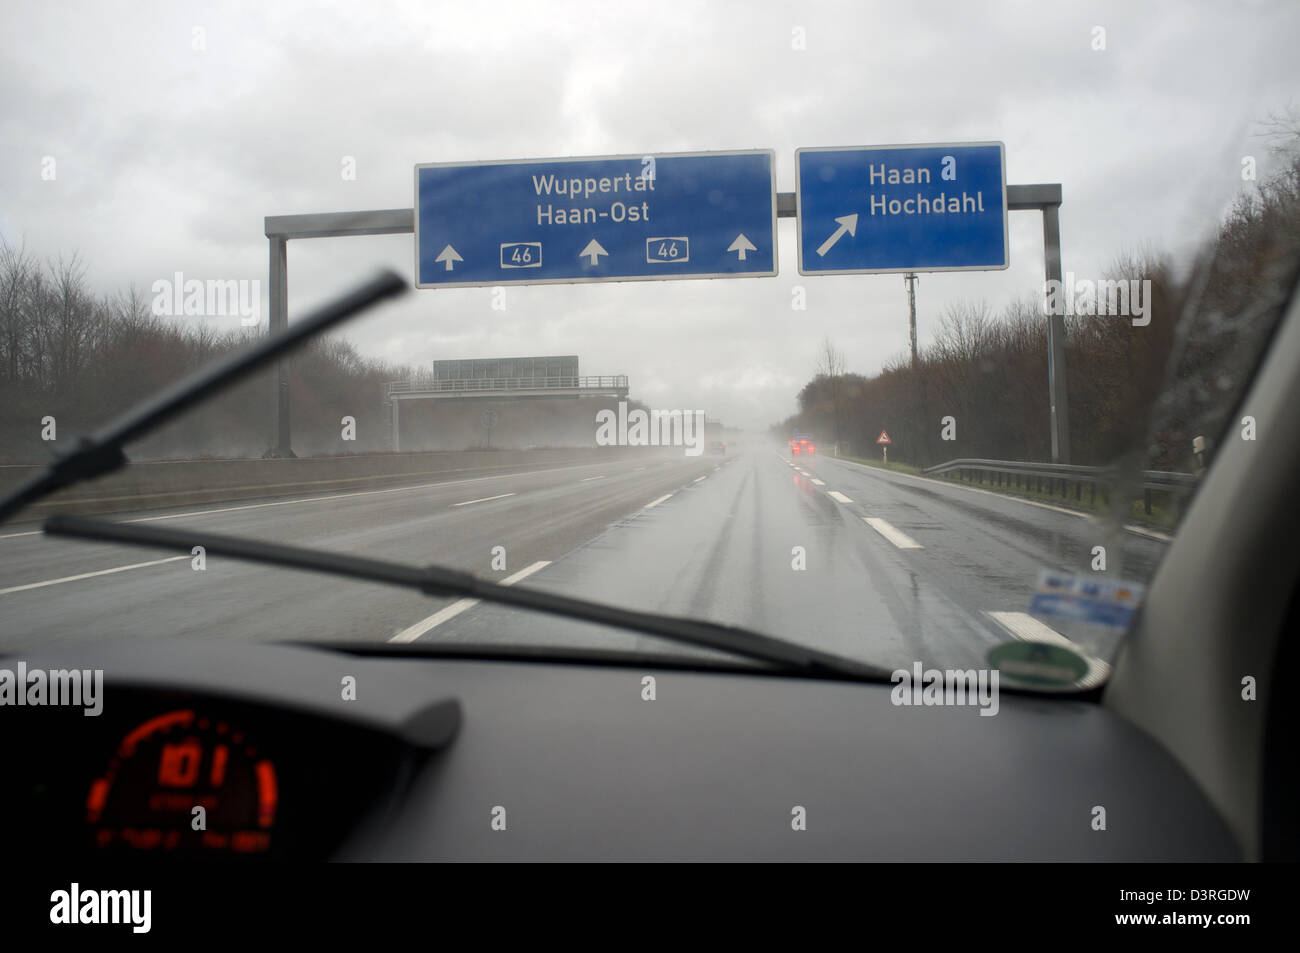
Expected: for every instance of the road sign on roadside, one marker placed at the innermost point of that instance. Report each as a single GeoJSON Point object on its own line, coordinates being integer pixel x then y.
{"type": "Point", "coordinates": [883, 209]}
{"type": "Point", "coordinates": [606, 218]}
{"type": "Point", "coordinates": [884, 441]}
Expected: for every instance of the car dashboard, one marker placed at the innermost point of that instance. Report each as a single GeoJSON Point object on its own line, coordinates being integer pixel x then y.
{"type": "Point", "coordinates": [249, 752]}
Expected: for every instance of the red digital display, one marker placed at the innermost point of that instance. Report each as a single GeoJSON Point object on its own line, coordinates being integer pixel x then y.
{"type": "Point", "coordinates": [182, 780]}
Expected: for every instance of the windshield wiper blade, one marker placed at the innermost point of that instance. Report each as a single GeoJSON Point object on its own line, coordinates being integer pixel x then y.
{"type": "Point", "coordinates": [440, 581]}
{"type": "Point", "coordinates": [101, 452]}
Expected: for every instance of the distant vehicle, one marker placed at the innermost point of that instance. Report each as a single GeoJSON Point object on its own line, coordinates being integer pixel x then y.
{"type": "Point", "coordinates": [803, 445]}
{"type": "Point", "coordinates": [717, 446]}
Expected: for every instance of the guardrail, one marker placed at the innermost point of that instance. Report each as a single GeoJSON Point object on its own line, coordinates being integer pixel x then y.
{"type": "Point", "coordinates": [1066, 475]}
{"type": "Point", "coordinates": [431, 386]}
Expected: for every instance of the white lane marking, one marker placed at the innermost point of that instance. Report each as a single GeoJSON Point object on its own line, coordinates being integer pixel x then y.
{"type": "Point", "coordinates": [411, 633]}
{"type": "Point", "coordinates": [1028, 629]}
{"type": "Point", "coordinates": [499, 496]}
{"type": "Point", "coordinates": [658, 501]}
{"type": "Point", "coordinates": [634, 469]}
{"type": "Point", "coordinates": [817, 482]}
{"type": "Point", "coordinates": [698, 479]}
{"type": "Point", "coordinates": [1150, 533]}
{"type": "Point", "coordinates": [589, 479]}
{"type": "Point", "coordinates": [895, 536]}
{"type": "Point", "coordinates": [30, 532]}
{"type": "Point", "coordinates": [805, 473]}
{"type": "Point", "coordinates": [88, 575]}
{"type": "Point", "coordinates": [837, 495]}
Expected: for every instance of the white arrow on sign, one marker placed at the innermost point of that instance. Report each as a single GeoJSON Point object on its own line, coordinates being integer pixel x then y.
{"type": "Point", "coordinates": [448, 256]}
{"type": "Point", "coordinates": [592, 252]}
{"type": "Point", "coordinates": [848, 223]}
{"type": "Point", "coordinates": [741, 245]}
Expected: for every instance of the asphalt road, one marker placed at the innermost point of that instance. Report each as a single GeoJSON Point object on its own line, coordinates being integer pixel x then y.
{"type": "Point", "coordinates": [882, 567]}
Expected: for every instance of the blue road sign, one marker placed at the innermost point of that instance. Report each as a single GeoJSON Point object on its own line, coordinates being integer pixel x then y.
{"type": "Point", "coordinates": [877, 209]}
{"type": "Point", "coordinates": [607, 218]}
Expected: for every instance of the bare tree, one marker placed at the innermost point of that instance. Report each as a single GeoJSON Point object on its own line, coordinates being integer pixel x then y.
{"type": "Point", "coordinates": [15, 271]}
{"type": "Point", "coordinates": [71, 322]}
{"type": "Point", "coordinates": [830, 363]}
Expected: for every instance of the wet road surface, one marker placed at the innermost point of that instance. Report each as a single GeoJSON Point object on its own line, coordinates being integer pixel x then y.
{"type": "Point", "coordinates": [880, 566]}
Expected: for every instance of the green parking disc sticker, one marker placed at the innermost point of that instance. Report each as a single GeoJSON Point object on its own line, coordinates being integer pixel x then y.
{"type": "Point", "coordinates": [1038, 663]}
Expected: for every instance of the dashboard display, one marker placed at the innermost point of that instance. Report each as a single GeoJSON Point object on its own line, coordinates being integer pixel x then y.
{"type": "Point", "coordinates": [168, 774]}
{"type": "Point", "coordinates": [185, 780]}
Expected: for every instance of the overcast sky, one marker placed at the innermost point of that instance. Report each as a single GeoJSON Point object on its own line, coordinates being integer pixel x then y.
{"type": "Point", "coordinates": [175, 128]}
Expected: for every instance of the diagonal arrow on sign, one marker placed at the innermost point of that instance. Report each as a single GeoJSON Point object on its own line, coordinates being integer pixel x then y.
{"type": "Point", "coordinates": [741, 245]}
{"type": "Point", "coordinates": [848, 223]}
{"type": "Point", "coordinates": [448, 256]}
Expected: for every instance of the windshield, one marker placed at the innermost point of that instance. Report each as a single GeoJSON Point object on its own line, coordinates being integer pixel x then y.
{"type": "Point", "coordinates": [906, 335]}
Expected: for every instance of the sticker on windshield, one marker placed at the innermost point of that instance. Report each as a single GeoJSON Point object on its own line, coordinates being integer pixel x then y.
{"type": "Point", "coordinates": [1063, 595]}
{"type": "Point", "coordinates": [1038, 663]}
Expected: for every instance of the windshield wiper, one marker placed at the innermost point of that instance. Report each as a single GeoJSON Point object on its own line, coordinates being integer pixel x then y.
{"type": "Point", "coordinates": [101, 452]}
{"type": "Point", "coordinates": [440, 581]}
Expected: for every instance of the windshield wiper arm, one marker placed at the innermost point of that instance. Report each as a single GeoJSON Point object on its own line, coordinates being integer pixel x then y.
{"type": "Point", "coordinates": [440, 581]}
{"type": "Point", "coordinates": [101, 452]}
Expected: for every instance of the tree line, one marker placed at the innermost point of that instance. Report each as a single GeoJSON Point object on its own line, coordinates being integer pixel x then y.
{"type": "Point", "coordinates": [71, 359]}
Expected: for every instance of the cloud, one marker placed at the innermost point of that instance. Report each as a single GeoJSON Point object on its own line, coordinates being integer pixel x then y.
{"type": "Point", "coordinates": [177, 129]}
